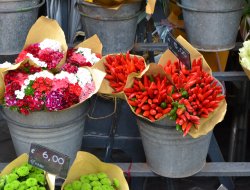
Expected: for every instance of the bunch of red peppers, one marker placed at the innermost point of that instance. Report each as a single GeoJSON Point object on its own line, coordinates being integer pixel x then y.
{"type": "Point", "coordinates": [191, 95]}
{"type": "Point", "coordinates": [119, 66]}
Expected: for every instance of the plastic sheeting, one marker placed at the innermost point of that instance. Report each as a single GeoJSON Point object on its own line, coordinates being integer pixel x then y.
{"type": "Point", "coordinates": [66, 14]}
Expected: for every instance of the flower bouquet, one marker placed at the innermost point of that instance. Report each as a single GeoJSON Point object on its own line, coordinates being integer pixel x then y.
{"type": "Point", "coordinates": [86, 53]}
{"type": "Point", "coordinates": [20, 175]}
{"type": "Point", "coordinates": [88, 171]}
{"type": "Point", "coordinates": [52, 99]}
{"type": "Point", "coordinates": [244, 55]}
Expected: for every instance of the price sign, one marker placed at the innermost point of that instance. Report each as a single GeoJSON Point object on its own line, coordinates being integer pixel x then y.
{"type": "Point", "coordinates": [49, 160]}
{"type": "Point", "coordinates": [180, 52]}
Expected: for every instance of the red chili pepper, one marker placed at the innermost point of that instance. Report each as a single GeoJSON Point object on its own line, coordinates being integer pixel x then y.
{"type": "Point", "coordinates": [176, 96]}
{"type": "Point", "coordinates": [143, 101]}
{"type": "Point", "coordinates": [146, 113]}
{"type": "Point", "coordinates": [145, 107]}
{"type": "Point", "coordinates": [138, 111]}
{"type": "Point", "coordinates": [152, 112]}
{"type": "Point", "coordinates": [166, 111]}
{"type": "Point", "coordinates": [158, 116]}
{"type": "Point", "coordinates": [132, 103]}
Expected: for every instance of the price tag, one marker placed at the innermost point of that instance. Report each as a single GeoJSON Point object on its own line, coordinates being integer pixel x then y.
{"type": "Point", "coordinates": [180, 52]}
{"type": "Point", "coordinates": [49, 160]}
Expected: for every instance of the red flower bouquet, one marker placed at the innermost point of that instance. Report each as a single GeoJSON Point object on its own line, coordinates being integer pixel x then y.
{"type": "Point", "coordinates": [32, 89]}
{"type": "Point", "coordinates": [79, 57]}
{"type": "Point", "coordinates": [46, 54]}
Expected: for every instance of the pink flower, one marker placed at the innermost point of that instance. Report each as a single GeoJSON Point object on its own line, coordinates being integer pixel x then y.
{"type": "Point", "coordinates": [59, 83]}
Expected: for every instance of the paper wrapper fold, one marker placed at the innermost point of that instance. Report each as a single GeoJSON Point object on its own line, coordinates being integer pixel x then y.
{"type": "Point", "coordinates": [92, 43]}
{"type": "Point", "coordinates": [86, 163]}
{"type": "Point", "coordinates": [206, 124]}
{"type": "Point", "coordinates": [22, 159]}
{"type": "Point", "coordinates": [50, 29]}
{"type": "Point", "coordinates": [105, 88]}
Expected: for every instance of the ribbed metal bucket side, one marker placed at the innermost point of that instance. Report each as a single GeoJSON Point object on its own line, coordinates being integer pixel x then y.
{"type": "Point", "coordinates": [63, 132]}
{"type": "Point", "coordinates": [115, 28]}
{"type": "Point", "coordinates": [171, 155]}
{"type": "Point", "coordinates": [212, 25]}
{"type": "Point", "coordinates": [16, 18]}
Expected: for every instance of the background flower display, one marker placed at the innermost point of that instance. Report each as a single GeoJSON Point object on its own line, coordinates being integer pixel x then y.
{"type": "Point", "coordinates": [244, 55]}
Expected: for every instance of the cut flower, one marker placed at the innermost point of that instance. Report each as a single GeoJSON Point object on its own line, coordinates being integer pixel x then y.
{"type": "Point", "coordinates": [46, 54]}
{"type": "Point", "coordinates": [45, 91]}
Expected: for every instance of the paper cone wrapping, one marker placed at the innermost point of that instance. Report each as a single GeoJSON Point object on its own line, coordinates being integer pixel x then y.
{"type": "Point", "coordinates": [50, 29]}
{"type": "Point", "coordinates": [206, 124]}
{"type": "Point", "coordinates": [86, 163]}
{"type": "Point", "coordinates": [150, 8]}
{"type": "Point", "coordinates": [105, 87]}
{"type": "Point", "coordinates": [92, 43]}
{"type": "Point", "coordinates": [23, 159]}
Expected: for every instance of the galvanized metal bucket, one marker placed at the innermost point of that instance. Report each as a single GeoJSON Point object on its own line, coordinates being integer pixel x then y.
{"type": "Point", "coordinates": [61, 131]}
{"type": "Point", "coordinates": [16, 18]}
{"type": "Point", "coordinates": [212, 25]}
{"type": "Point", "coordinates": [115, 28]}
{"type": "Point", "coordinates": [168, 153]}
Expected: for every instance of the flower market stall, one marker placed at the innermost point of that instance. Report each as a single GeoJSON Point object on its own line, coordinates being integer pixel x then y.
{"type": "Point", "coordinates": [93, 99]}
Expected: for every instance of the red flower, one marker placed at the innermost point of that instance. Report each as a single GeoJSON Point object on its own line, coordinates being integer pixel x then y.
{"type": "Point", "coordinates": [21, 56]}
{"type": "Point", "coordinates": [24, 111]}
{"type": "Point", "coordinates": [75, 89]}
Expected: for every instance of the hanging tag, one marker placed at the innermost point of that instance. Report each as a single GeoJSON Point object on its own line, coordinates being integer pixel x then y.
{"type": "Point", "coordinates": [49, 160]}
{"type": "Point", "coordinates": [180, 52]}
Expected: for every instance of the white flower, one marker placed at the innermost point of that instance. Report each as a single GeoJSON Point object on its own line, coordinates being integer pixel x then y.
{"type": "Point", "coordinates": [83, 51]}
{"type": "Point", "coordinates": [244, 54]}
{"type": "Point", "coordinates": [37, 61]}
{"type": "Point", "coordinates": [19, 94]}
{"type": "Point", "coordinates": [6, 64]}
{"type": "Point", "coordinates": [246, 62]}
{"type": "Point", "coordinates": [84, 76]}
{"type": "Point", "coordinates": [90, 57]}
{"type": "Point", "coordinates": [70, 76]}
{"type": "Point", "coordinates": [26, 82]}
{"type": "Point", "coordinates": [52, 44]}
{"type": "Point", "coordinates": [31, 77]}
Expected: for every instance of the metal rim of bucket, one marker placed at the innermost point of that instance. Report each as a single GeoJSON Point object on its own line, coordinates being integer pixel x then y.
{"type": "Point", "coordinates": [209, 11]}
{"type": "Point", "coordinates": [109, 18]}
{"type": "Point", "coordinates": [100, 6]}
{"type": "Point", "coordinates": [39, 127]}
{"type": "Point", "coordinates": [23, 9]}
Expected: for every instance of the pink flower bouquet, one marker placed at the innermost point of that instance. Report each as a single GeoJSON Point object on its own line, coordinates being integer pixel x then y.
{"type": "Point", "coordinates": [46, 54]}
{"type": "Point", "coordinates": [41, 80]}
{"type": "Point", "coordinates": [34, 89]}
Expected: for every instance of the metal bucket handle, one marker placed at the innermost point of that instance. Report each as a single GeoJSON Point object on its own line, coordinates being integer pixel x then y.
{"type": "Point", "coordinates": [209, 11]}
{"type": "Point", "coordinates": [40, 127]}
{"type": "Point", "coordinates": [23, 9]}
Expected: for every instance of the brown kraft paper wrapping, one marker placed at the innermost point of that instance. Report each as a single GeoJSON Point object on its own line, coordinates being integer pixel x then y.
{"type": "Point", "coordinates": [86, 163]}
